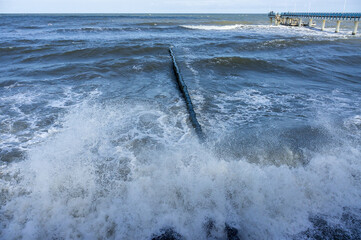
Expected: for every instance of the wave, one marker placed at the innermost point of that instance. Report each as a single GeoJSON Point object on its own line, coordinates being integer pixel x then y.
{"type": "Point", "coordinates": [12, 50]}
{"type": "Point", "coordinates": [93, 29]}
{"type": "Point", "coordinates": [209, 24]}
{"type": "Point", "coordinates": [239, 63]}
{"type": "Point", "coordinates": [213, 27]}
{"type": "Point", "coordinates": [31, 27]}
{"type": "Point", "coordinates": [7, 83]}
{"type": "Point", "coordinates": [157, 24]}
{"type": "Point", "coordinates": [97, 52]}
{"type": "Point", "coordinates": [135, 169]}
{"type": "Point", "coordinates": [225, 22]}
{"type": "Point", "coordinates": [346, 60]}
{"type": "Point", "coordinates": [278, 31]}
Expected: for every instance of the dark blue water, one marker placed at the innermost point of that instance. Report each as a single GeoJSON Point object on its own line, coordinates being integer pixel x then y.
{"type": "Point", "coordinates": [95, 139]}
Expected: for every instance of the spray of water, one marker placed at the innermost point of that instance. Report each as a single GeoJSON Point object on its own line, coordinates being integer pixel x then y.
{"type": "Point", "coordinates": [125, 172]}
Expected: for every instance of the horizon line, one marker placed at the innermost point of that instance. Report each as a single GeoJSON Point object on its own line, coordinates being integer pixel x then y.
{"type": "Point", "coordinates": [129, 13]}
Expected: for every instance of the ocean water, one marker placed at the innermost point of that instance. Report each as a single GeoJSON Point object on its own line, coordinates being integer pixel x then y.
{"type": "Point", "coordinates": [96, 143]}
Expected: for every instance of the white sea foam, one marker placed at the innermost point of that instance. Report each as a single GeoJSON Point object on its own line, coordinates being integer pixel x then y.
{"type": "Point", "coordinates": [301, 32]}
{"type": "Point", "coordinates": [241, 107]}
{"type": "Point", "coordinates": [127, 171]}
{"type": "Point", "coordinates": [213, 27]}
{"type": "Point", "coordinates": [22, 125]}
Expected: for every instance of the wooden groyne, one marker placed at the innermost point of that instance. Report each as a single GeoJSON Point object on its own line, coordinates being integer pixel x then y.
{"type": "Point", "coordinates": [297, 19]}
{"type": "Point", "coordinates": [184, 90]}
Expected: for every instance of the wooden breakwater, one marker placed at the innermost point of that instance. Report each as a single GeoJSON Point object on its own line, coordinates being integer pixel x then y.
{"type": "Point", "coordinates": [184, 90]}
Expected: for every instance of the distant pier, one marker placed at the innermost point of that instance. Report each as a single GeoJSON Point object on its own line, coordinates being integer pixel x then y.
{"type": "Point", "coordinates": [297, 19]}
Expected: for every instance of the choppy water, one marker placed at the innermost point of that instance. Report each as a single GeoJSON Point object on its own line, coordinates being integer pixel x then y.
{"type": "Point", "coordinates": [95, 140]}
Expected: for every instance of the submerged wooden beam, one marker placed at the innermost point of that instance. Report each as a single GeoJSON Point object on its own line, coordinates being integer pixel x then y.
{"type": "Point", "coordinates": [184, 90]}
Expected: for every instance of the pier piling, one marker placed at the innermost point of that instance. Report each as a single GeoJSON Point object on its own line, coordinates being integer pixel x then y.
{"type": "Point", "coordinates": [338, 26]}
{"type": "Point", "coordinates": [323, 25]}
{"type": "Point", "coordinates": [355, 28]}
{"type": "Point", "coordinates": [310, 22]}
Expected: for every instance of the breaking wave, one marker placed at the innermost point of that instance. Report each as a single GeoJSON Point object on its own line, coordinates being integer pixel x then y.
{"type": "Point", "coordinates": [128, 171]}
{"type": "Point", "coordinates": [213, 27]}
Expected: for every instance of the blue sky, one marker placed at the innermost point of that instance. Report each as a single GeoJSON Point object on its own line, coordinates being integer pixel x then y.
{"type": "Point", "coordinates": [175, 6]}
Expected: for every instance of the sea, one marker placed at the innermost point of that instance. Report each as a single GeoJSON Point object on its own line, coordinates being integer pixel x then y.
{"type": "Point", "coordinates": [96, 140]}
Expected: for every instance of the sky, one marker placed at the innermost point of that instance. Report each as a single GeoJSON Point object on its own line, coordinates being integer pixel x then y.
{"type": "Point", "coordinates": [177, 6]}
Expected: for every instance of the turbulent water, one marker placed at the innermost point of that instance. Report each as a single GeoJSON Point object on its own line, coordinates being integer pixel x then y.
{"type": "Point", "coordinates": [96, 142]}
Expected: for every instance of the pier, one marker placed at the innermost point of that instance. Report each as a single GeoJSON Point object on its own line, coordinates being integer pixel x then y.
{"type": "Point", "coordinates": [306, 19]}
